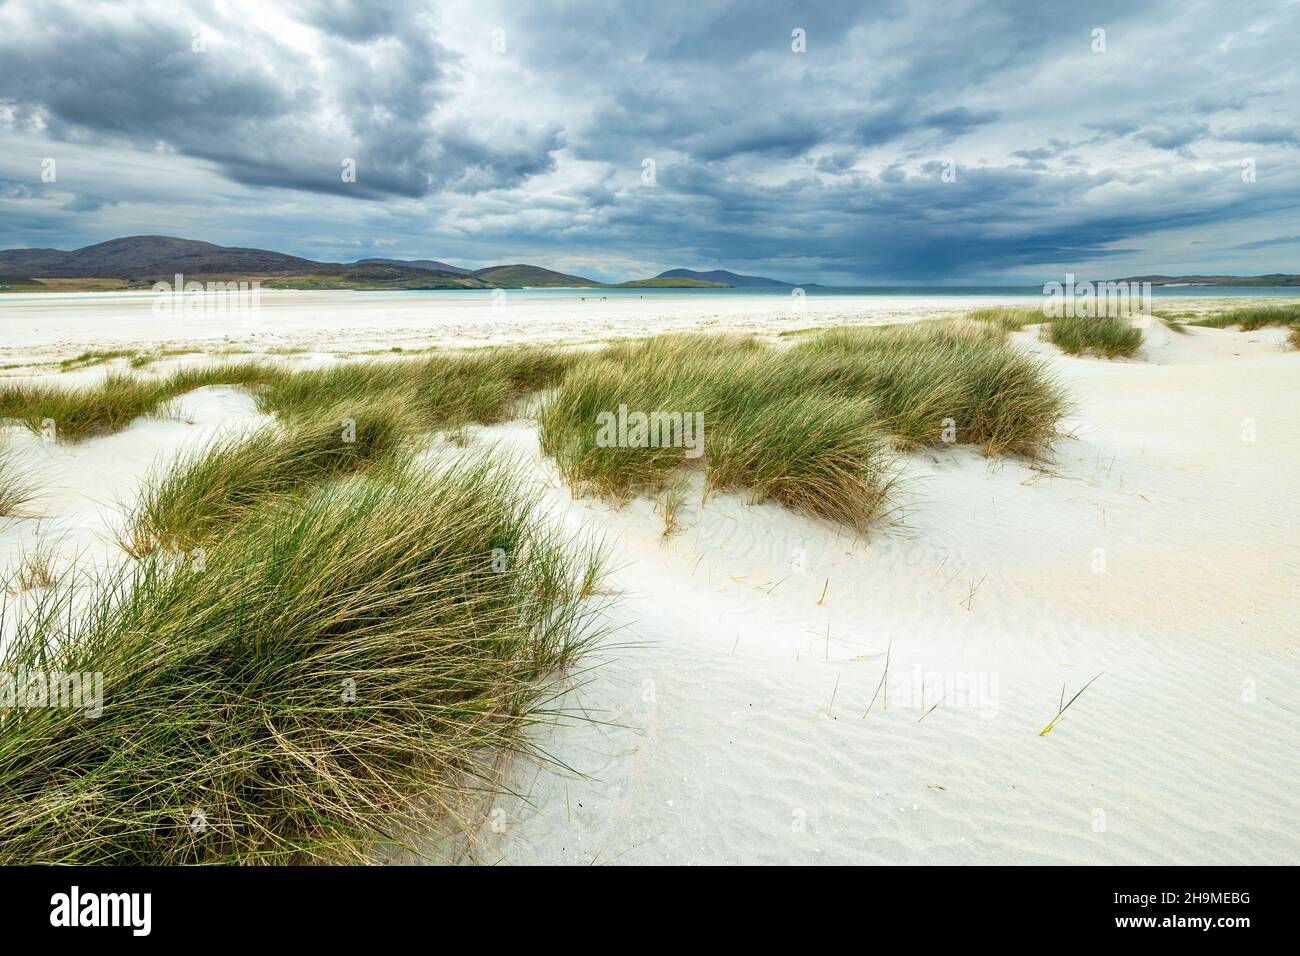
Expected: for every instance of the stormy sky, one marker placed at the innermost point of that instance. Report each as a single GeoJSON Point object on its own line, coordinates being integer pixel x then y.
{"type": "Point", "coordinates": [832, 142]}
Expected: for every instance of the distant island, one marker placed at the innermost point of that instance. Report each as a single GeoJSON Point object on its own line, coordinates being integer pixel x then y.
{"type": "Point", "coordinates": [672, 282]}
{"type": "Point", "coordinates": [137, 262]}
{"type": "Point", "coordinates": [1277, 278]}
{"type": "Point", "coordinates": [724, 278]}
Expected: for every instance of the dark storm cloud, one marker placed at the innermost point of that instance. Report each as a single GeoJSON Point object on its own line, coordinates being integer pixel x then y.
{"type": "Point", "coordinates": [1175, 137]}
{"type": "Point", "coordinates": [20, 189]}
{"type": "Point", "coordinates": [806, 140]}
{"type": "Point", "coordinates": [1265, 133]}
{"type": "Point", "coordinates": [352, 21]}
{"type": "Point", "coordinates": [261, 110]}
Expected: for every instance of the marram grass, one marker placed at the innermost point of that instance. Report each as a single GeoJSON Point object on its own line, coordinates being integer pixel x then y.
{"type": "Point", "coordinates": [16, 489]}
{"type": "Point", "coordinates": [77, 413]}
{"type": "Point", "coordinates": [1011, 318]}
{"type": "Point", "coordinates": [1109, 336]}
{"type": "Point", "coordinates": [447, 390]}
{"type": "Point", "coordinates": [820, 455]}
{"type": "Point", "coordinates": [183, 505]}
{"type": "Point", "coordinates": [814, 425]}
{"type": "Point", "coordinates": [943, 382]}
{"type": "Point", "coordinates": [1252, 317]}
{"type": "Point", "coordinates": [97, 357]}
{"type": "Point", "coordinates": [338, 654]}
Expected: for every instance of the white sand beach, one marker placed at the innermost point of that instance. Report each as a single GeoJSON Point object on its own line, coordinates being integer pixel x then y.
{"type": "Point", "coordinates": [49, 324]}
{"type": "Point", "coordinates": [739, 711]}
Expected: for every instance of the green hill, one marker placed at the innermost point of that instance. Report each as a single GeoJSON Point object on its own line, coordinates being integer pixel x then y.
{"type": "Point", "coordinates": [519, 276]}
{"type": "Point", "coordinates": [733, 279]}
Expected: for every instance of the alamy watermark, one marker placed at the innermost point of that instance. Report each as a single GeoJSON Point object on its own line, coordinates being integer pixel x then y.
{"type": "Point", "coordinates": [926, 691]}
{"type": "Point", "coordinates": [1095, 299]}
{"type": "Point", "coordinates": [653, 430]}
{"type": "Point", "coordinates": [75, 908]}
{"type": "Point", "coordinates": [40, 690]}
{"type": "Point", "coordinates": [180, 298]}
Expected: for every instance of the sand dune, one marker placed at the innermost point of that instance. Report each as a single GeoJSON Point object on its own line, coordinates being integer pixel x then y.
{"type": "Point", "coordinates": [731, 729]}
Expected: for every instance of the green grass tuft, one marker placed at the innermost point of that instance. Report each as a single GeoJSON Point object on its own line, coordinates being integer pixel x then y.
{"type": "Point", "coordinates": [1111, 336]}
{"type": "Point", "coordinates": [113, 403]}
{"type": "Point", "coordinates": [812, 425]}
{"type": "Point", "coordinates": [814, 453]}
{"type": "Point", "coordinates": [186, 504]}
{"type": "Point", "coordinates": [446, 392]}
{"type": "Point", "coordinates": [337, 655]}
{"type": "Point", "coordinates": [1010, 318]}
{"type": "Point", "coordinates": [1250, 318]}
{"type": "Point", "coordinates": [925, 375]}
{"type": "Point", "coordinates": [97, 357]}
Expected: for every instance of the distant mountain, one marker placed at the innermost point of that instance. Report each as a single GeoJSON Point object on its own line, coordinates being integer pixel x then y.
{"type": "Point", "coordinates": [138, 261]}
{"type": "Point", "coordinates": [724, 277]}
{"type": "Point", "coordinates": [510, 277]}
{"type": "Point", "coordinates": [1276, 278]}
{"type": "Point", "coordinates": [519, 276]}
{"type": "Point", "coordinates": [24, 262]}
{"type": "Point", "coordinates": [143, 256]}
{"type": "Point", "coordinates": [432, 265]}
